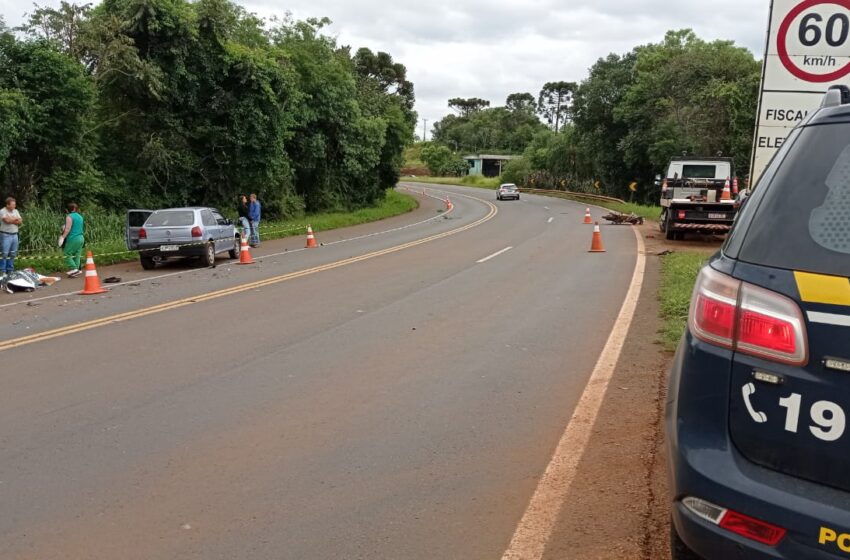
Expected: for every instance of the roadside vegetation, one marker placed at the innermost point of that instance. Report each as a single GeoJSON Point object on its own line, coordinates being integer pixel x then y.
{"type": "Point", "coordinates": [678, 275]}
{"type": "Point", "coordinates": [620, 125]}
{"type": "Point", "coordinates": [159, 103]}
{"type": "Point", "coordinates": [105, 235]}
{"type": "Point", "coordinates": [467, 181]}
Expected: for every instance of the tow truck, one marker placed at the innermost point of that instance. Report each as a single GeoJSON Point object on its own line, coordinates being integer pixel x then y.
{"type": "Point", "coordinates": [697, 196]}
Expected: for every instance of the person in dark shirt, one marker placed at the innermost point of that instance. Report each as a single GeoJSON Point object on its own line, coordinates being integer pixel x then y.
{"type": "Point", "coordinates": [244, 215]}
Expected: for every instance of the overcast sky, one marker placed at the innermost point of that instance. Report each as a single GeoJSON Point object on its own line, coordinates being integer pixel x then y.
{"type": "Point", "coordinates": [491, 48]}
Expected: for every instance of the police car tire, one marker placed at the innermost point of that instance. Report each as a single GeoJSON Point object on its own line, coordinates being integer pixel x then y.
{"type": "Point", "coordinates": [147, 263]}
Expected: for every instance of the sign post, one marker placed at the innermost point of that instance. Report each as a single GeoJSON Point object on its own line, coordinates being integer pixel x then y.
{"type": "Point", "coordinates": [808, 50]}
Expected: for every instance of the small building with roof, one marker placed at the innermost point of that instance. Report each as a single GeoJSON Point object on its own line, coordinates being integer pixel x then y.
{"type": "Point", "coordinates": [487, 165]}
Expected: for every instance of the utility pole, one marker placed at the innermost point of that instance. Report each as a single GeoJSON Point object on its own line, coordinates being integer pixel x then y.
{"type": "Point", "coordinates": [425, 130]}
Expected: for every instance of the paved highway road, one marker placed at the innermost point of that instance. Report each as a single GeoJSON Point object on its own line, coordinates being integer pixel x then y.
{"type": "Point", "coordinates": [392, 396]}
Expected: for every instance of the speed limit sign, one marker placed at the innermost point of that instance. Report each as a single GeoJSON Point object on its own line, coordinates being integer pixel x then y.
{"type": "Point", "coordinates": [808, 50]}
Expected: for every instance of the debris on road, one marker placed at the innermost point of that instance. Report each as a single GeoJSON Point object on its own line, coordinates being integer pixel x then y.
{"type": "Point", "coordinates": [619, 218]}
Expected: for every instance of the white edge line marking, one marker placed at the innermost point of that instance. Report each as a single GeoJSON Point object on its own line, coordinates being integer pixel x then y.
{"type": "Point", "coordinates": [535, 528]}
{"type": "Point", "coordinates": [258, 259]}
{"type": "Point", "coordinates": [549, 221]}
{"type": "Point", "coordinates": [829, 318]}
{"type": "Point", "coordinates": [494, 255]}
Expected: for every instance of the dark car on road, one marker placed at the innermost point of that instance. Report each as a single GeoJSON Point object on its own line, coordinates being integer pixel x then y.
{"type": "Point", "coordinates": [759, 392]}
{"type": "Point", "coordinates": [181, 232]}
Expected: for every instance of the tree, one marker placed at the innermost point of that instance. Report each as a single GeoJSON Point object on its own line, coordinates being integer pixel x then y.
{"type": "Point", "coordinates": [47, 104]}
{"type": "Point", "coordinates": [390, 76]}
{"type": "Point", "coordinates": [554, 102]}
{"type": "Point", "coordinates": [496, 129]}
{"type": "Point", "coordinates": [441, 161]}
{"type": "Point", "coordinates": [521, 102]}
{"type": "Point", "coordinates": [65, 26]}
{"type": "Point", "coordinates": [465, 108]}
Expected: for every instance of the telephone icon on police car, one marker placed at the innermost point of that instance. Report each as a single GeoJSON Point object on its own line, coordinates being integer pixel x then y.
{"type": "Point", "coordinates": [747, 391]}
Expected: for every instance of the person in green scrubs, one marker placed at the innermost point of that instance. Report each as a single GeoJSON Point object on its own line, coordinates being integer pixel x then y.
{"type": "Point", "coordinates": [72, 240]}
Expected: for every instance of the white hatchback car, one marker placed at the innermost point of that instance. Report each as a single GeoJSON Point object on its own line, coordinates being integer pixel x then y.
{"type": "Point", "coordinates": [507, 190]}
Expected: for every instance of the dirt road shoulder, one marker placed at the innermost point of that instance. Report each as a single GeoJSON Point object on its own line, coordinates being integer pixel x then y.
{"type": "Point", "coordinates": [617, 508]}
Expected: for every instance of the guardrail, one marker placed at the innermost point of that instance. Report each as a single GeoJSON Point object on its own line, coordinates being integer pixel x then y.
{"type": "Point", "coordinates": [572, 194]}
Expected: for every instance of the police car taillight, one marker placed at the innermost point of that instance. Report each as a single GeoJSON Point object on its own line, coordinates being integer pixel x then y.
{"type": "Point", "coordinates": [714, 308]}
{"type": "Point", "coordinates": [747, 319]}
{"type": "Point", "coordinates": [738, 523]}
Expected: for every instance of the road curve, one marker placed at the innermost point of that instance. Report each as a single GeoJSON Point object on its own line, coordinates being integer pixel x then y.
{"type": "Point", "coordinates": [397, 406]}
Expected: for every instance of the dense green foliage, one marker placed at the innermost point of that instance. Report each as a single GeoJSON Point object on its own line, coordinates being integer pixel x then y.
{"type": "Point", "coordinates": [632, 113]}
{"type": "Point", "coordinates": [441, 161]}
{"type": "Point", "coordinates": [477, 128]}
{"type": "Point", "coordinates": [151, 103]}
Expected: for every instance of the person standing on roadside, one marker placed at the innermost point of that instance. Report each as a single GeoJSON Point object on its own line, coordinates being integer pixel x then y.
{"type": "Point", "coordinates": [244, 215]}
{"type": "Point", "coordinates": [72, 240]}
{"type": "Point", "coordinates": [254, 213]}
{"type": "Point", "coordinates": [10, 221]}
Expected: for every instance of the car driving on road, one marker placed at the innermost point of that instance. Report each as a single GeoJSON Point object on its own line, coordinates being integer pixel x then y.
{"type": "Point", "coordinates": [759, 392]}
{"type": "Point", "coordinates": [507, 190]}
{"type": "Point", "coordinates": [181, 232]}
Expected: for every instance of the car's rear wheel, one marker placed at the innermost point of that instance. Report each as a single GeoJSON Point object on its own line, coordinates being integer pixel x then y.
{"type": "Point", "coordinates": [147, 262]}
{"type": "Point", "coordinates": [678, 549]}
{"type": "Point", "coordinates": [237, 248]}
{"type": "Point", "coordinates": [209, 254]}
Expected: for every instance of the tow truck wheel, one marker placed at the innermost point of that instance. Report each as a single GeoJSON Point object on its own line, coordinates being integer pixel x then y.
{"type": "Point", "coordinates": [667, 226]}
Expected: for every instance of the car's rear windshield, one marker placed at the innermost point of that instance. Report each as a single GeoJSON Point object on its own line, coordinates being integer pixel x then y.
{"type": "Point", "coordinates": [699, 171]}
{"type": "Point", "coordinates": [172, 218]}
{"type": "Point", "coordinates": [803, 221]}
{"type": "Point", "coordinates": [509, 187]}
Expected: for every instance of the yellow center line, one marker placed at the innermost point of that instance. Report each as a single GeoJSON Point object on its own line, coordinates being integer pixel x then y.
{"type": "Point", "coordinates": [121, 317]}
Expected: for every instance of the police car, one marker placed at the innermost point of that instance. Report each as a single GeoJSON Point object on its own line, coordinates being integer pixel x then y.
{"type": "Point", "coordinates": [758, 413]}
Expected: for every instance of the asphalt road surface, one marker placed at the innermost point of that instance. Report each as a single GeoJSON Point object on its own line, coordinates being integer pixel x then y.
{"type": "Point", "coordinates": [393, 394]}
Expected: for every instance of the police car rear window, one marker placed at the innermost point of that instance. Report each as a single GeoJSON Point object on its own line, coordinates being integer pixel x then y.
{"type": "Point", "coordinates": [803, 221]}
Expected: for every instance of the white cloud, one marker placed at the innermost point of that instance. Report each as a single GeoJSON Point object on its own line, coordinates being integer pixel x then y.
{"type": "Point", "coordinates": [491, 48]}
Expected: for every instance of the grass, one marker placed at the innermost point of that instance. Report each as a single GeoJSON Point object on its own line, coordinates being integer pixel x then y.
{"type": "Point", "coordinates": [479, 181]}
{"type": "Point", "coordinates": [678, 275]}
{"type": "Point", "coordinates": [105, 232]}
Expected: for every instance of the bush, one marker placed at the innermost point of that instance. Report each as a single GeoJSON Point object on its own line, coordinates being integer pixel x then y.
{"type": "Point", "coordinates": [517, 171]}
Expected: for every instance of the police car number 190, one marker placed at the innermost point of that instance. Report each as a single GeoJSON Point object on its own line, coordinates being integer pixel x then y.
{"type": "Point", "coordinates": [826, 420]}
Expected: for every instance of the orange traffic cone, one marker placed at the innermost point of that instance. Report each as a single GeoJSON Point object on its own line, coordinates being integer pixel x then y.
{"type": "Point", "coordinates": [311, 239]}
{"type": "Point", "coordinates": [727, 193]}
{"type": "Point", "coordinates": [92, 285]}
{"type": "Point", "coordinates": [245, 253]}
{"type": "Point", "coordinates": [449, 204]}
{"type": "Point", "coordinates": [588, 219]}
{"type": "Point", "coordinates": [735, 186]}
{"type": "Point", "coordinates": [596, 245]}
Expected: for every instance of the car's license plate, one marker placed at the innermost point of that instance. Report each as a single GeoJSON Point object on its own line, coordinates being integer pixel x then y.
{"type": "Point", "coordinates": [716, 216]}
{"type": "Point", "coordinates": [169, 248]}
